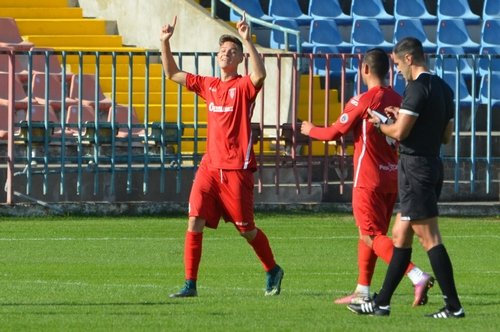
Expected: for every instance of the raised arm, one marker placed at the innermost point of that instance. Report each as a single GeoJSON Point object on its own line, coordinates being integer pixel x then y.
{"type": "Point", "coordinates": [258, 73]}
{"type": "Point", "coordinates": [170, 68]}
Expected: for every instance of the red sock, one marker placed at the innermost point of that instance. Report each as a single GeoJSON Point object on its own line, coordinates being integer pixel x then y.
{"type": "Point", "coordinates": [192, 254]}
{"type": "Point", "coordinates": [260, 245]}
{"type": "Point", "coordinates": [383, 247]}
{"type": "Point", "coordinates": [366, 263]}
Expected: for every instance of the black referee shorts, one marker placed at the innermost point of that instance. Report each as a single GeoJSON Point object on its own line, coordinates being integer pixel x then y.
{"type": "Point", "coordinates": [420, 180]}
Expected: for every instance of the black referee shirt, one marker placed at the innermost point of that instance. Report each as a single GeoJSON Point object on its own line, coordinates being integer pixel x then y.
{"type": "Point", "coordinates": [431, 99]}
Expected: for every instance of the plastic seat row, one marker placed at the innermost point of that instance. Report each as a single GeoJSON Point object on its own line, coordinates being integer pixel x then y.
{"type": "Point", "coordinates": [368, 32]}
{"type": "Point", "coordinates": [330, 9]}
{"type": "Point", "coordinates": [46, 93]}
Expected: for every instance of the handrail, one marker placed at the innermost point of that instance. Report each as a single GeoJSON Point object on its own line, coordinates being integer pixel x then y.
{"type": "Point", "coordinates": [258, 21]}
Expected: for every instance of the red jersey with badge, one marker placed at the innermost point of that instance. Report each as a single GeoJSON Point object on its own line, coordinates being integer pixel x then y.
{"type": "Point", "coordinates": [375, 155]}
{"type": "Point", "coordinates": [230, 107]}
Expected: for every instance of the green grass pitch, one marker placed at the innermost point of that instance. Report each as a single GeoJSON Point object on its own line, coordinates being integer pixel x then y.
{"type": "Point", "coordinates": [115, 274]}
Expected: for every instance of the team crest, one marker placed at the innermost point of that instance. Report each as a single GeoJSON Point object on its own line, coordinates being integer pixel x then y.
{"type": "Point", "coordinates": [232, 93]}
{"type": "Point", "coordinates": [344, 118]}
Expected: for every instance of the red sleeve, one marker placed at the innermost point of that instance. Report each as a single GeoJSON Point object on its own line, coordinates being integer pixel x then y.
{"type": "Point", "coordinates": [348, 119]}
{"type": "Point", "coordinates": [325, 134]}
{"type": "Point", "coordinates": [196, 83]}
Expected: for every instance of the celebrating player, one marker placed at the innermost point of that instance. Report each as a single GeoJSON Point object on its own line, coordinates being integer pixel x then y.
{"type": "Point", "coordinates": [223, 185]}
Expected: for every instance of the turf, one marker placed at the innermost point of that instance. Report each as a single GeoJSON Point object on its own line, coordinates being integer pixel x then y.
{"type": "Point", "coordinates": [115, 274]}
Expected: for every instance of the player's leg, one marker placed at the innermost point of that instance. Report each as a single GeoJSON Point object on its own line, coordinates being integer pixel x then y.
{"type": "Point", "coordinates": [237, 198]}
{"type": "Point", "coordinates": [402, 235]}
{"type": "Point", "coordinates": [203, 211]}
{"type": "Point", "coordinates": [428, 233]}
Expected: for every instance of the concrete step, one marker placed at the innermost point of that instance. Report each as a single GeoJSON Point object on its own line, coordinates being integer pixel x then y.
{"type": "Point", "coordinates": [34, 3]}
{"type": "Point", "coordinates": [81, 26]}
{"type": "Point", "coordinates": [75, 40]}
{"type": "Point", "coordinates": [41, 12]}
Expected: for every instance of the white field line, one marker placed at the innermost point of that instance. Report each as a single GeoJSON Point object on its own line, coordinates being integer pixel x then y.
{"type": "Point", "coordinates": [208, 238]}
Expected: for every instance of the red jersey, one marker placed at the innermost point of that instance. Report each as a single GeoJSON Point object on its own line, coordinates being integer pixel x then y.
{"type": "Point", "coordinates": [230, 107]}
{"type": "Point", "coordinates": [375, 155]}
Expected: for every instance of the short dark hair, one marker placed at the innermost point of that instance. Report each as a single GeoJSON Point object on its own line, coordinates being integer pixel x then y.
{"type": "Point", "coordinates": [232, 39]}
{"type": "Point", "coordinates": [412, 46]}
{"type": "Point", "coordinates": [378, 61]}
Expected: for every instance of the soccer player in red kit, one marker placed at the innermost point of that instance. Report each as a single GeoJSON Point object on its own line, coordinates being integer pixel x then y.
{"type": "Point", "coordinates": [375, 176]}
{"type": "Point", "coordinates": [223, 185]}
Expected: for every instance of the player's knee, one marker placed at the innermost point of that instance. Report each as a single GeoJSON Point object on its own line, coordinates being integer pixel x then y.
{"type": "Point", "coordinates": [250, 235]}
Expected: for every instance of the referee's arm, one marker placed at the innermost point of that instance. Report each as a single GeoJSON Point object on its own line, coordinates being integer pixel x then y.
{"type": "Point", "coordinates": [400, 129]}
{"type": "Point", "coordinates": [447, 133]}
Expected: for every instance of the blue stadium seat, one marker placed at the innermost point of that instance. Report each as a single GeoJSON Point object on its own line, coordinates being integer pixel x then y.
{"type": "Point", "coordinates": [485, 62]}
{"type": "Point", "coordinates": [288, 9]}
{"type": "Point", "coordinates": [465, 98]}
{"type": "Point", "coordinates": [325, 33]}
{"type": "Point", "coordinates": [363, 9]}
{"type": "Point", "coordinates": [399, 83]}
{"type": "Point", "coordinates": [449, 64]}
{"type": "Point", "coordinates": [495, 92]}
{"type": "Point", "coordinates": [328, 9]}
{"type": "Point", "coordinates": [491, 10]}
{"type": "Point", "coordinates": [413, 28]}
{"type": "Point", "coordinates": [415, 9]}
{"type": "Point", "coordinates": [367, 32]}
{"type": "Point", "coordinates": [490, 34]}
{"type": "Point", "coordinates": [319, 64]}
{"type": "Point", "coordinates": [453, 32]}
{"type": "Point", "coordinates": [277, 38]}
{"type": "Point", "coordinates": [450, 9]}
{"type": "Point", "coordinates": [252, 7]}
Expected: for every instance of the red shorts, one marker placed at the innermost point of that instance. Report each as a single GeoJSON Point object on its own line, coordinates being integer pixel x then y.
{"type": "Point", "coordinates": [220, 193]}
{"type": "Point", "coordinates": [372, 210]}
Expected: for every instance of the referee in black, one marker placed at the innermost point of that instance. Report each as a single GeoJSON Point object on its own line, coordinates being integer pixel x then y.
{"type": "Point", "coordinates": [423, 123]}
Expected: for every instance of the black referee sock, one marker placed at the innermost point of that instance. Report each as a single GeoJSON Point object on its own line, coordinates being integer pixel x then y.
{"type": "Point", "coordinates": [395, 272]}
{"type": "Point", "coordinates": [443, 270]}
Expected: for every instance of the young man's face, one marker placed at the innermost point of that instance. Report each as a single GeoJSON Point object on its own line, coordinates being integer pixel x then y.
{"type": "Point", "coordinates": [229, 55]}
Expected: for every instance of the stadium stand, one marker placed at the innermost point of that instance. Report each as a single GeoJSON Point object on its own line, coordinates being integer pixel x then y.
{"type": "Point", "coordinates": [490, 33]}
{"type": "Point", "coordinates": [464, 96]}
{"type": "Point", "coordinates": [277, 38]}
{"type": "Point", "coordinates": [10, 35]}
{"type": "Point", "coordinates": [484, 96]}
{"type": "Point", "coordinates": [252, 7]}
{"type": "Point", "coordinates": [47, 89]}
{"type": "Point", "coordinates": [416, 9]}
{"type": "Point", "coordinates": [44, 61]}
{"type": "Point", "coordinates": [450, 64]}
{"type": "Point", "coordinates": [288, 9]}
{"type": "Point", "coordinates": [488, 61]}
{"type": "Point", "coordinates": [453, 32]}
{"type": "Point", "coordinates": [335, 69]}
{"type": "Point", "coordinates": [74, 118]}
{"type": "Point", "coordinates": [91, 93]}
{"type": "Point", "coordinates": [452, 9]}
{"type": "Point", "coordinates": [325, 33]}
{"type": "Point", "coordinates": [491, 10]}
{"type": "Point", "coordinates": [121, 118]}
{"type": "Point", "coordinates": [370, 9]}
{"type": "Point", "coordinates": [413, 28]}
{"type": "Point", "coordinates": [19, 65]}
{"type": "Point", "coordinates": [328, 9]}
{"type": "Point", "coordinates": [367, 32]}
{"type": "Point", "coordinates": [399, 83]}
{"type": "Point", "coordinates": [21, 100]}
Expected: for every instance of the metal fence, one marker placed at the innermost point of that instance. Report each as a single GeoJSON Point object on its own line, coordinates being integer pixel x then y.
{"type": "Point", "coordinates": [142, 124]}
